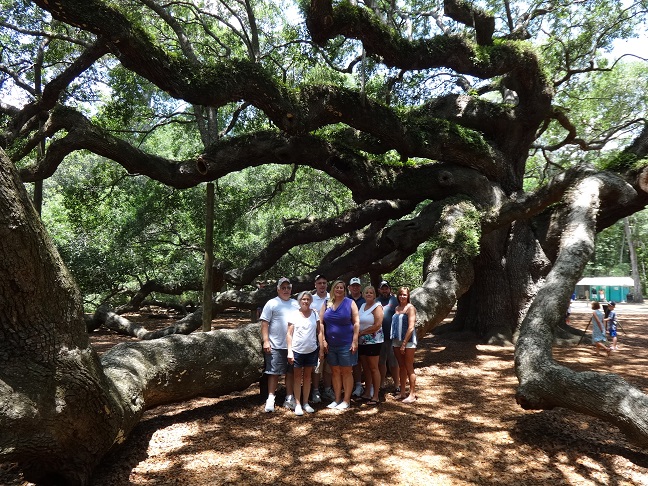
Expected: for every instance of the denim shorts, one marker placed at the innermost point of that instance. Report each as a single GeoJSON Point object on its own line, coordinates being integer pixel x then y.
{"type": "Point", "coordinates": [341, 356]}
{"type": "Point", "coordinates": [304, 360]}
{"type": "Point", "coordinates": [396, 343]}
{"type": "Point", "coordinates": [276, 363]}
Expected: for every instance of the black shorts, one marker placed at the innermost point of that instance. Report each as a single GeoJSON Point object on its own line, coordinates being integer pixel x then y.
{"type": "Point", "coordinates": [369, 349]}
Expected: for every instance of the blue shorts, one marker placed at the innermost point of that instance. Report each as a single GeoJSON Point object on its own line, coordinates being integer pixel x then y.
{"type": "Point", "coordinates": [305, 360]}
{"type": "Point", "coordinates": [276, 362]}
{"type": "Point", "coordinates": [341, 356]}
{"type": "Point", "coordinates": [613, 330]}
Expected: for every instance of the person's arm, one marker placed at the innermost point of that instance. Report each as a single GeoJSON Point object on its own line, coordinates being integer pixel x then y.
{"type": "Point", "coordinates": [319, 335]}
{"type": "Point", "coordinates": [411, 325]}
{"type": "Point", "coordinates": [323, 343]}
{"type": "Point", "coordinates": [355, 318]}
{"type": "Point", "coordinates": [265, 327]}
{"type": "Point", "coordinates": [289, 336]}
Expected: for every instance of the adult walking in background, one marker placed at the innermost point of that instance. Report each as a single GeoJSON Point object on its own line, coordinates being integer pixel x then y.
{"type": "Point", "coordinates": [387, 360]}
{"type": "Point", "coordinates": [303, 350]}
{"type": "Point", "coordinates": [274, 328]}
{"type": "Point", "coordinates": [403, 334]}
{"type": "Point", "coordinates": [371, 339]}
{"type": "Point", "coordinates": [340, 328]}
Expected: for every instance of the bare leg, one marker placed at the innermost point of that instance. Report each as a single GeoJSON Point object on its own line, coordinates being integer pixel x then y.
{"type": "Point", "coordinates": [364, 361]}
{"type": "Point", "coordinates": [315, 379]}
{"type": "Point", "coordinates": [400, 357]}
{"type": "Point", "coordinates": [373, 377]}
{"type": "Point", "coordinates": [290, 382]}
{"type": "Point", "coordinates": [395, 372]}
{"type": "Point", "coordinates": [409, 364]}
{"type": "Point", "coordinates": [347, 382]}
{"type": "Point", "coordinates": [382, 367]}
{"type": "Point", "coordinates": [298, 374]}
{"type": "Point", "coordinates": [307, 383]}
{"type": "Point", "coordinates": [337, 383]}
{"type": "Point", "coordinates": [273, 381]}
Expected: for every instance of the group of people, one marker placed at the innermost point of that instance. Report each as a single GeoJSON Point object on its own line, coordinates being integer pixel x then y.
{"type": "Point", "coordinates": [600, 324]}
{"type": "Point", "coordinates": [338, 338]}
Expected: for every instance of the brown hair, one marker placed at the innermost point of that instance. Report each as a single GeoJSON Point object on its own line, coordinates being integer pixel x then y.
{"type": "Point", "coordinates": [406, 290]}
{"type": "Point", "coordinates": [596, 305]}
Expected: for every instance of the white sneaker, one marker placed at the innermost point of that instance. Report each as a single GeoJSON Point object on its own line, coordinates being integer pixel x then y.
{"type": "Point", "coordinates": [289, 403]}
{"type": "Point", "coordinates": [342, 406]}
{"type": "Point", "coordinates": [269, 406]}
{"type": "Point", "coordinates": [308, 408]}
{"type": "Point", "coordinates": [316, 397]}
{"type": "Point", "coordinates": [298, 410]}
{"type": "Point", "coordinates": [332, 405]}
{"type": "Point", "coordinates": [357, 391]}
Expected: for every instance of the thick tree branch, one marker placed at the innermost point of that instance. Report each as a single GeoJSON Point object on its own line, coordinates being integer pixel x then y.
{"type": "Point", "coordinates": [318, 230]}
{"type": "Point", "coordinates": [545, 384]}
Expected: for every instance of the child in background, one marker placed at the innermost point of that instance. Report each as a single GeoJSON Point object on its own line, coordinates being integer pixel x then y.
{"type": "Point", "coordinates": [598, 329]}
{"type": "Point", "coordinates": [612, 322]}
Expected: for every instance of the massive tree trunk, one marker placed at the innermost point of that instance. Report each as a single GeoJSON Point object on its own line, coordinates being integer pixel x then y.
{"type": "Point", "coordinates": [61, 408]}
{"type": "Point", "coordinates": [512, 258]}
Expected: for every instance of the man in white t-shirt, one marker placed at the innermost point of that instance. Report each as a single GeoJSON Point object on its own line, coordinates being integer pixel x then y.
{"type": "Point", "coordinates": [274, 327]}
{"type": "Point", "coordinates": [320, 297]}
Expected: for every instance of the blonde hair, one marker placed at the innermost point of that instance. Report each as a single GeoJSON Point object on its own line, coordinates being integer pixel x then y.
{"type": "Point", "coordinates": [331, 301]}
{"type": "Point", "coordinates": [367, 288]}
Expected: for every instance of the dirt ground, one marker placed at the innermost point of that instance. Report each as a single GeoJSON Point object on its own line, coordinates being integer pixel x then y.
{"type": "Point", "coordinates": [465, 429]}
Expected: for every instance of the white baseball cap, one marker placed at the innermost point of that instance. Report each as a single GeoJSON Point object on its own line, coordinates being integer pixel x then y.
{"type": "Point", "coordinates": [282, 280]}
{"type": "Point", "coordinates": [355, 280]}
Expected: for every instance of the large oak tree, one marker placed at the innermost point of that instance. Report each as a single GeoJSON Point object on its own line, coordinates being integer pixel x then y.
{"type": "Point", "coordinates": [436, 154]}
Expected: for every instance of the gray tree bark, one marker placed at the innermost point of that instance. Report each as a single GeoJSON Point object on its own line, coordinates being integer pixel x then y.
{"type": "Point", "coordinates": [61, 408]}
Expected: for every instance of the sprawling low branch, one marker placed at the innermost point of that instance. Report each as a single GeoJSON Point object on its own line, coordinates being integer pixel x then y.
{"type": "Point", "coordinates": [545, 384]}
{"type": "Point", "coordinates": [121, 325]}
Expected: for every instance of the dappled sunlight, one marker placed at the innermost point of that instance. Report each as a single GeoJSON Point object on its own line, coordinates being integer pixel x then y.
{"type": "Point", "coordinates": [464, 429]}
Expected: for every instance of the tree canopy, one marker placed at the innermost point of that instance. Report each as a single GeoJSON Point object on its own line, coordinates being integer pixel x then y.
{"type": "Point", "coordinates": [490, 140]}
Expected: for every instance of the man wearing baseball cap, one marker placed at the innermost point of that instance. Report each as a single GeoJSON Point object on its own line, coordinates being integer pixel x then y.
{"type": "Point", "coordinates": [320, 297]}
{"type": "Point", "coordinates": [387, 358]}
{"type": "Point", "coordinates": [274, 327]}
{"type": "Point", "coordinates": [355, 293]}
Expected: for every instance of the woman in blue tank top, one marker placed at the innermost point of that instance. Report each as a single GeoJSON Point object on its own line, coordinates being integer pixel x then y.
{"type": "Point", "coordinates": [403, 335]}
{"type": "Point", "coordinates": [340, 328]}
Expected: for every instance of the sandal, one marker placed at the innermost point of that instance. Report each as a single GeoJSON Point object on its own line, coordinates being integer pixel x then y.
{"type": "Point", "coordinates": [373, 402]}
{"type": "Point", "coordinates": [409, 400]}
